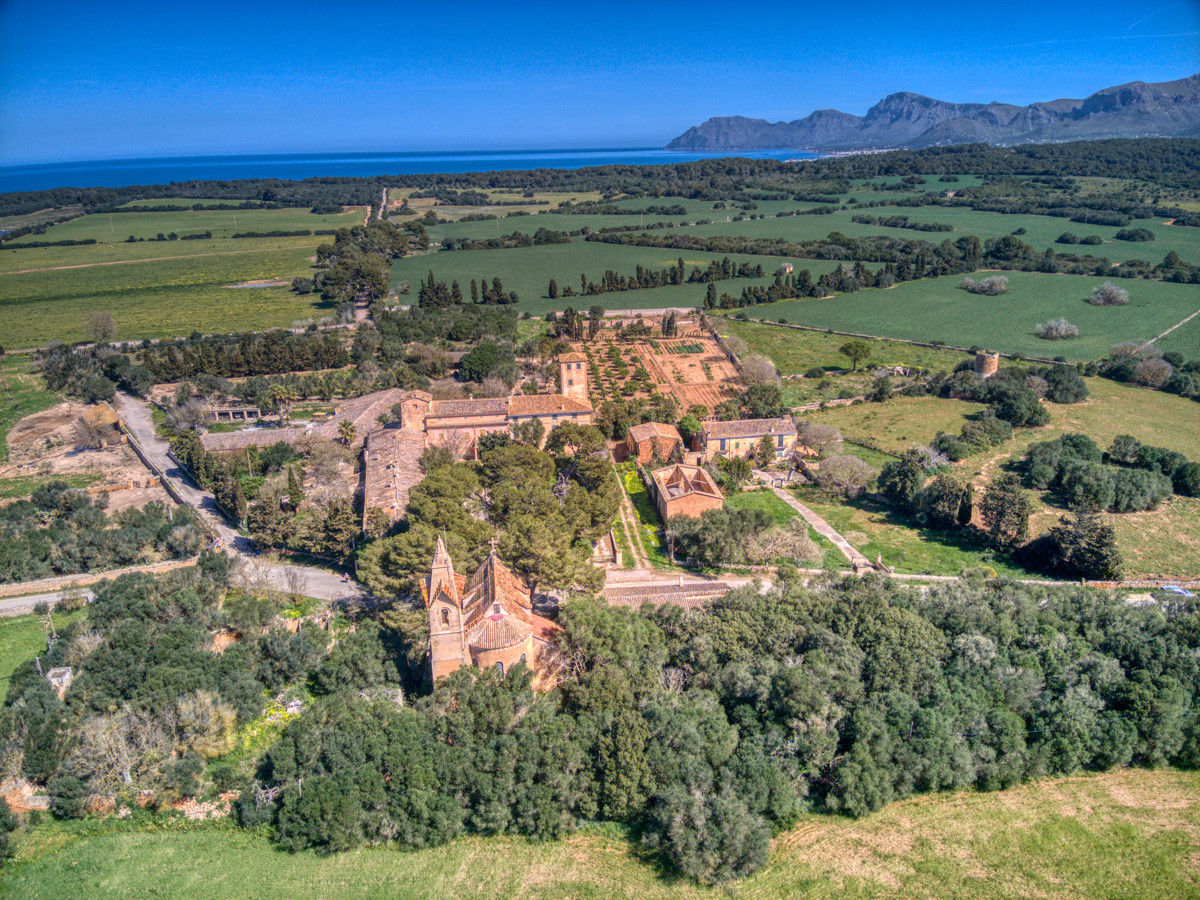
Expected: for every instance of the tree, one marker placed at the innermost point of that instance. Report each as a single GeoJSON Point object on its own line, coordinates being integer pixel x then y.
{"type": "Point", "coordinates": [847, 475]}
{"type": "Point", "coordinates": [280, 397]}
{"type": "Point", "coordinates": [689, 426]}
{"type": "Point", "coordinates": [945, 502]}
{"type": "Point", "coordinates": [1108, 294]}
{"type": "Point", "coordinates": [100, 327]}
{"type": "Point", "coordinates": [735, 471]}
{"type": "Point", "coordinates": [346, 433]}
{"type": "Point", "coordinates": [8, 824]}
{"type": "Point", "coordinates": [552, 292]}
{"type": "Point", "coordinates": [530, 432]}
{"type": "Point", "coordinates": [1005, 509]}
{"type": "Point", "coordinates": [765, 453]}
{"type": "Point", "coordinates": [824, 439]}
{"type": "Point", "coordinates": [856, 352]}
{"type": "Point", "coordinates": [901, 480]}
{"type": "Point", "coordinates": [1085, 547]}
{"type": "Point", "coordinates": [763, 401]}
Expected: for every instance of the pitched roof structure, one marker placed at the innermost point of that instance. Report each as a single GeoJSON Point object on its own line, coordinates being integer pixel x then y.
{"type": "Point", "coordinates": [497, 406]}
{"type": "Point", "coordinates": [679, 480]}
{"type": "Point", "coordinates": [649, 430]}
{"type": "Point", "coordinates": [573, 356]}
{"type": "Point", "coordinates": [546, 405]}
{"type": "Point", "coordinates": [742, 428]}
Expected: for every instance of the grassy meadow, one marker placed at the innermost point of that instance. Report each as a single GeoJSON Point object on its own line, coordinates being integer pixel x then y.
{"type": "Point", "coordinates": [22, 393]}
{"type": "Point", "coordinates": [1163, 541]}
{"type": "Point", "coordinates": [1126, 833]}
{"type": "Point", "coordinates": [936, 309]}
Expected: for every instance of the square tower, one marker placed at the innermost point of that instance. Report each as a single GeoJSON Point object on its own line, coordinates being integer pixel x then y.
{"type": "Point", "coordinates": [573, 376]}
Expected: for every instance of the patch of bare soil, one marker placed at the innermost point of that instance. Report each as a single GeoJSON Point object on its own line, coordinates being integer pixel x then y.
{"type": "Point", "coordinates": [43, 445]}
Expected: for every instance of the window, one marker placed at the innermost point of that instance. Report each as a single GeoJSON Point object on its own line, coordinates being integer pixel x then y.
{"type": "Point", "coordinates": [445, 616]}
{"type": "Point", "coordinates": [780, 442]}
{"type": "Point", "coordinates": [722, 445]}
{"type": "Point", "coordinates": [496, 609]}
{"type": "Point", "coordinates": [500, 666]}
{"type": "Point", "coordinates": [570, 382]}
{"type": "Point", "coordinates": [522, 659]}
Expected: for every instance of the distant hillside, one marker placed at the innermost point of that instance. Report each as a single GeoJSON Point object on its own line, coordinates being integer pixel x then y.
{"type": "Point", "coordinates": [1137, 109]}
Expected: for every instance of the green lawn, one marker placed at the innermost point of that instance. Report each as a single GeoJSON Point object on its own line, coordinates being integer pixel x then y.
{"type": "Point", "coordinates": [781, 513]}
{"type": "Point", "coordinates": [21, 394]}
{"type": "Point", "coordinates": [24, 485]}
{"type": "Point", "coordinates": [1127, 833]}
{"type": "Point", "coordinates": [649, 523]}
{"type": "Point", "coordinates": [22, 638]}
{"type": "Point", "coordinates": [935, 309]}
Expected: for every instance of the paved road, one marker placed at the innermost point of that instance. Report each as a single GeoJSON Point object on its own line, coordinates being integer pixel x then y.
{"type": "Point", "coordinates": [321, 583]}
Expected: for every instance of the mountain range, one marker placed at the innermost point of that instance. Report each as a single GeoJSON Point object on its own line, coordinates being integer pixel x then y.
{"type": "Point", "coordinates": [906, 120]}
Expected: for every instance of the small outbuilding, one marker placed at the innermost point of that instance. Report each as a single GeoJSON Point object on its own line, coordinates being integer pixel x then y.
{"type": "Point", "coordinates": [643, 441]}
{"type": "Point", "coordinates": [681, 490]}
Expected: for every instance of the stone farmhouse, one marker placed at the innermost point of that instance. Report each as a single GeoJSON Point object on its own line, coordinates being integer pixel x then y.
{"type": "Point", "coordinates": [642, 441]}
{"type": "Point", "coordinates": [485, 620]}
{"type": "Point", "coordinates": [459, 423]}
{"type": "Point", "coordinates": [685, 491]}
{"type": "Point", "coordinates": [741, 437]}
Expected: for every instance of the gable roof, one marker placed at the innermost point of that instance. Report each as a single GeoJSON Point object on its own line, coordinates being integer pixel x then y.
{"type": "Point", "coordinates": [749, 428]}
{"type": "Point", "coordinates": [650, 430]}
{"type": "Point", "coordinates": [573, 357]}
{"type": "Point", "coordinates": [545, 405]}
{"type": "Point", "coordinates": [439, 409]}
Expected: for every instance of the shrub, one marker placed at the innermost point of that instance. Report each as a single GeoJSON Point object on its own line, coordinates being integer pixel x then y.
{"type": "Point", "coordinates": [1056, 330]}
{"type": "Point", "coordinates": [1138, 489]}
{"type": "Point", "coordinates": [1108, 294]}
{"type": "Point", "coordinates": [1186, 479]}
{"type": "Point", "coordinates": [847, 475]}
{"type": "Point", "coordinates": [1065, 385]}
{"type": "Point", "coordinates": [991, 286]}
{"type": "Point", "coordinates": [1152, 372]}
{"type": "Point", "coordinates": [1135, 235]}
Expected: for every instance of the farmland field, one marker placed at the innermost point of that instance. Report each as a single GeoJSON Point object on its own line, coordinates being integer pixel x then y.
{"type": "Point", "coordinates": [528, 270]}
{"type": "Point", "coordinates": [158, 298]}
{"type": "Point", "coordinates": [1126, 833]}
{"type": "Point", "coordinates": [22, 393]}
{"type": "Point", "coordinates": [938, 310]}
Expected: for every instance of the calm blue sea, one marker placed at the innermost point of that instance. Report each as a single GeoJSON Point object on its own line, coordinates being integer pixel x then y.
{"type": "Point", "coordinates": [121, 172]}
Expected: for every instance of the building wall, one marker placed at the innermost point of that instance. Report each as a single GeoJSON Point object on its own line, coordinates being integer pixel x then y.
{"type": "Point", "coordinates": [509, 656]}
{"type": "Point", "coordinates": [574, 378]}
{"type": "Point", "coordinates": [445, 641]}
{"type": "Point", "coordinates": [687, 505]}
{"type": "Point", "coordinates": [745, 446]}
{"type": "Point", "coordinates": [643, 451]}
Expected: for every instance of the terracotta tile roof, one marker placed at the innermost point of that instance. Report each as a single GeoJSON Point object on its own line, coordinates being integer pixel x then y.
{"type": "Point", "coordinates": [748, 428]}
{"type": "Point", "coordinates": [545, 405]}
{"type": "Point", "coordinates": [689, 595]}
{"type": "Point", "coordinates": [650, 430]}
{"type": "Point", "coordinates": [392, 468]}
{"type": "Point", "coordinates": [497, 632]}
{"type": "Point", "coordinates": [573, 357]}
{"type": "Point", "coordinates": [444, 409]}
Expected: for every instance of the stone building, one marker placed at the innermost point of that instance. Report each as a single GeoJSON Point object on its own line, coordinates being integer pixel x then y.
{"type": "Point", "coordinates": [643, 440]}
{"type": "Point", "coordinates": [741, 437]}
{"type": "Point", "coordinates": [485, 620]}
{"type": "Point", "coordinates": [685, 491]}
{"type": "Point", "coordinates": [987, 364]}
{"type": "Point", "coordinates": [459, 423]}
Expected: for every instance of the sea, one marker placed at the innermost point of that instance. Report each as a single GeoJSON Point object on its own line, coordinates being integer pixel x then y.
{"type": "Point", "coordinates": [123, 172]}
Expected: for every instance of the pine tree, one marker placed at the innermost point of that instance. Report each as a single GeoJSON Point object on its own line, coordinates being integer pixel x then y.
{"type": "Point", "coordinates": [295, 491]}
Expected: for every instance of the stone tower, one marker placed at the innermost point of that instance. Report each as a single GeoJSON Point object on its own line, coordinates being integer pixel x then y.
{"type": "Point", "coordinates": [987, 364]}
{"type": "Point", "coordinates": [446, 644]}
{"type": "Point", "coordinates": [573, 376]}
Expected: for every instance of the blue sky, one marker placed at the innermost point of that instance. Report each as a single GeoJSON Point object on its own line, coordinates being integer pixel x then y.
{"type": "Point", "coordinates": [132, 79]}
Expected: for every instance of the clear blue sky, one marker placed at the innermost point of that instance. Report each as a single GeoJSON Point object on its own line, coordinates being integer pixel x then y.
{"type": "Point", "coordinates": [103, 80]}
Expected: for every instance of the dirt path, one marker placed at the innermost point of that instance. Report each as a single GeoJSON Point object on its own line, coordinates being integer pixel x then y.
{"type": "Point", "coordinates": [822, 527]}
{"type": "Point", "coordinates": [629, 518]}
{"type": "Point", "coordinates": [1173, 327]}
{"type": "Point", "coordinates": [129, 262]}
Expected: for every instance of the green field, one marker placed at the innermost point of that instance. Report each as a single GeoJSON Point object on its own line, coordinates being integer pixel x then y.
{"type": "Point", "coordinates": [936, 309]}
{"type": "Point", "coordinates": [21, 394]}
{"type": "Point", "coordinates": [528, 270]}
{"type": "Point", "coordinates": [1127, 833]}
{"type": "Point", "coordinates": [22, 638]}
{"type": "Point", "coordinates": [115, 227]}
